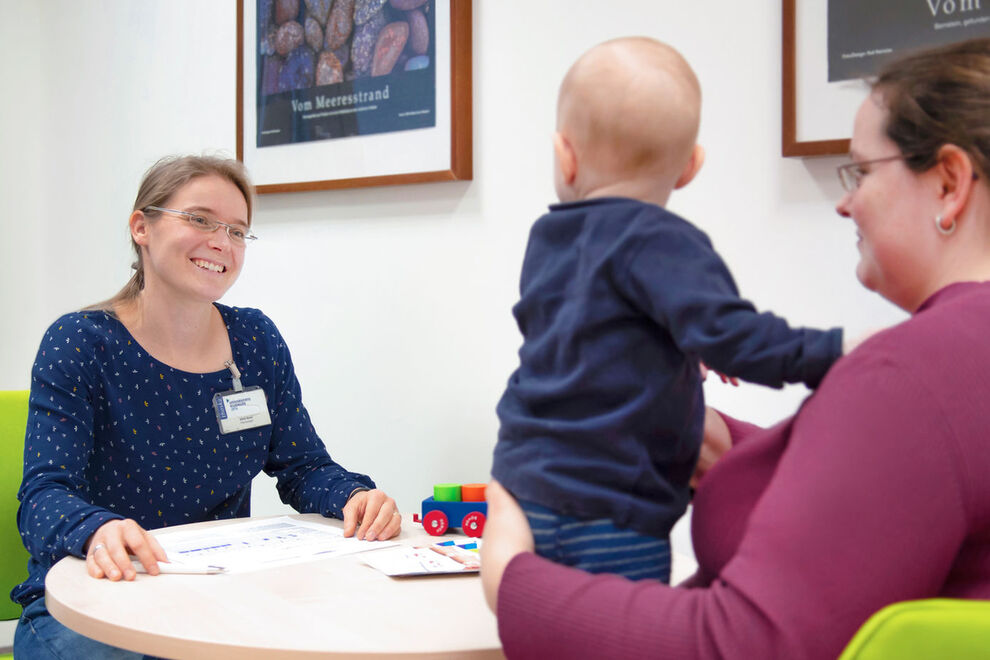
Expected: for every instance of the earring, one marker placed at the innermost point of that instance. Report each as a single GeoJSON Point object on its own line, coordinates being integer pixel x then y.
{"type": "Point", "coordinates": [945, 231]}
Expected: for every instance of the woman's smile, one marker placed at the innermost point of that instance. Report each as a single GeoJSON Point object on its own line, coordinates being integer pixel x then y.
{"type": "Point", "coordinates": [209, 265]}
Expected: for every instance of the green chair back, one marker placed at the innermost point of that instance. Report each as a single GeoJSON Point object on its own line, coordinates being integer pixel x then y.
{"type": "Point", "coordinates": [13, 556]}
{"type": "Point", "coordinates": [931, 629]}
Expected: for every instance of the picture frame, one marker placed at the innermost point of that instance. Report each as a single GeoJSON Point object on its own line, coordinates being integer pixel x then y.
{"type": "Point", "coordinates": [831, 48]}
{"type": "Point", "coordinates": [442, 152]}
{"type": "Point", "coordinates": [805, 132]}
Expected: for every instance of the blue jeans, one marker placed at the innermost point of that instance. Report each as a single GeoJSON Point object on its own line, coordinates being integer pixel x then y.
{"type": "Point", "coordinates": [597, 546]}
{"type": "Point", "coordinates": [40, 637]}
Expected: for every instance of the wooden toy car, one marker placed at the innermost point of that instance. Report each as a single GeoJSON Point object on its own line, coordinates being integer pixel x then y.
{"type": "Point", "coordinates": [467, 512]}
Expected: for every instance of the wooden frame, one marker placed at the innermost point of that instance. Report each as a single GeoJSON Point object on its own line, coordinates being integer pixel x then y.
{"type": "Point", "coordinates": [791, 145]}
{"type": "Point", "coordinates": [821, 92]}
{"type": "Point", "coordinates": [460, 165]}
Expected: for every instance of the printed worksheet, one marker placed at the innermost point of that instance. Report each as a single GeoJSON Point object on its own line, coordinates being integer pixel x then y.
{"type": "Point", "coordinates": [258, 544]}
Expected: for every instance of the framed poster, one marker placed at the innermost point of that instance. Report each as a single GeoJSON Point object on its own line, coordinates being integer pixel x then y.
{"type": "Point", "coordinates": [352, 93]}
{"type": "Point", "coordinates": [830, 47]}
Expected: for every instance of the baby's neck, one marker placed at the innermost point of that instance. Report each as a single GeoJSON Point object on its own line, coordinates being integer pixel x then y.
{"type": "Point", "coordinates": [644, 191]}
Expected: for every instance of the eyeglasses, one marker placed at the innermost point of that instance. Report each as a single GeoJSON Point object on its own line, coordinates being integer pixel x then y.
{"type": "Point", "coordinates": [237, 235]}
{"type": "Point", "coordinates": [851, 174]}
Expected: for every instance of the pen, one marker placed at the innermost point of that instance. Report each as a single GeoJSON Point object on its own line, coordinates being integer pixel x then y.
{"type": "Point", "coordinates": [186, 569]}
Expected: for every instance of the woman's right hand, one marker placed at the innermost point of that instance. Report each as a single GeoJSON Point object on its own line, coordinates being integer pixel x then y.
{"type": "Point", "coordinates": [716, 441]}
{"type": "Point", "coordinates": [109, 549]}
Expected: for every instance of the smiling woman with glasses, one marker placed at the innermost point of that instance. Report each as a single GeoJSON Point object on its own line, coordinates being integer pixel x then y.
{"type": "Point", "coordinates": [136, 416]}
{"type": "Point", "coordinates": [878, 489]}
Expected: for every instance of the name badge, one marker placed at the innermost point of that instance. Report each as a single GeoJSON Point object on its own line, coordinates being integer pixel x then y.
{"type": "Point", "coordinates": [239, 410]}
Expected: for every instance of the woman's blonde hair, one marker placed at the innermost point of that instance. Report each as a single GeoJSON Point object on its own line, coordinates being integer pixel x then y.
{"type": "Point", "coordinates": [160, 182]}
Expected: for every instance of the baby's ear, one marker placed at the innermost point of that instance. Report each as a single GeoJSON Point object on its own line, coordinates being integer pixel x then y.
{"type": "Point", "coordinates": [691, 169]}
{"type": "Point", "coordinates": [566, 158]}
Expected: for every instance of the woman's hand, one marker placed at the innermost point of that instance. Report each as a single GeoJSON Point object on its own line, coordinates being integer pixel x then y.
{"type": "Point", "coordinates": [373, 514]}
{"type": "Point", "coordinates": [849, 344]}
{"type": "Point", "coordinates": [715, 441]}
{"type": "Point", "coordinates": [507, 533]}
{"type": "Point", "coordinates": [109, 549]}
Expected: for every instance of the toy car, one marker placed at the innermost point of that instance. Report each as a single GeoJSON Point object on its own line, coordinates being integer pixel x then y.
{"type": "Point", "coordinates": [440, 515]}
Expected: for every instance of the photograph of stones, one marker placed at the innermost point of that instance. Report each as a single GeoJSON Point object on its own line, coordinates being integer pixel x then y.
{"type": "Point", "coordinates": [339, 68]}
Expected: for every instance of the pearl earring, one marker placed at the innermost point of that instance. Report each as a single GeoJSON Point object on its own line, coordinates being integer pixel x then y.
{"type": "Point", "coordinates": [945, 231]}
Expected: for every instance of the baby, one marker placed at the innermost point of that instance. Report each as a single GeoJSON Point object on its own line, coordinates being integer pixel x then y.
{"type": "Point", "coordinates": [621, 300]}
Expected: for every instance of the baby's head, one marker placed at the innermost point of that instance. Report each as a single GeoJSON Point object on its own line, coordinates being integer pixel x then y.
{"type": "Point", "coordinates": [627, 120]}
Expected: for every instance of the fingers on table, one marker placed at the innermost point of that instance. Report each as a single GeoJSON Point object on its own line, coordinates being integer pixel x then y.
{"type": "Point", "coordinates": [92, 566]}
{"type": "Point", "coordinates": [107, 558]}
{"type": "Point", "coordinates": [392, 528]}
{"type": "Point", "coordinates": [380, 519]}
{"type": "Point", "coordinates": [110, 550]}
{"type": "Point", "coordinates": [145, 547]}
{"type": "Point", "coordinates": [353, 511]}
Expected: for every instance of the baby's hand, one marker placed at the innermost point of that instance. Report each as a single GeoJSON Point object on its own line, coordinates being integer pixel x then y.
{"type": "Point", "coordinates": [725, 379]}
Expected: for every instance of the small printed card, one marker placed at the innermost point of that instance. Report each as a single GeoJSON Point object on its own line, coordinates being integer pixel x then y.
{"type": "Point", "coordinates": [439, 558]}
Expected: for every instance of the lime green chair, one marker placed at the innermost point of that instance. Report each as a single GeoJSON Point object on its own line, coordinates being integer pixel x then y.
{"type": "Point", "coordinates": [13, 556]}
{"type": "Point", "coordinates": [932, 629]}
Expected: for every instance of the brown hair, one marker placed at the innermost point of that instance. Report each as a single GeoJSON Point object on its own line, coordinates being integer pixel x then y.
{"type": "Point", "coordinates": [937, 97]}
{"type": "Point", "coordinates": [160, 182]}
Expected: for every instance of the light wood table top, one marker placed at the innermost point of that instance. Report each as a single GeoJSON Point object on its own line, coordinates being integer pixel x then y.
{"type": "Point", "coordinates": [332, 608]}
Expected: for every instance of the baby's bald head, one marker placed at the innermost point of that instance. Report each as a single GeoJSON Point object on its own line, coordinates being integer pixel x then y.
{"type": "Point", "coordinates": [630, 107]}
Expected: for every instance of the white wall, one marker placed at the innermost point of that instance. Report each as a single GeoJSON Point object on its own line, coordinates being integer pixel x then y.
{"type": "Point", "coordinates": [395, 301]}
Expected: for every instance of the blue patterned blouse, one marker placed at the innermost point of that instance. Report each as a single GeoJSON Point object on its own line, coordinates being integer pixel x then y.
{"type": "Point", "coordinates": [114, 433]}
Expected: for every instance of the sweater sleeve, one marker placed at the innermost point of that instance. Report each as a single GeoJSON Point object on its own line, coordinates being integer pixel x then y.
{"type": "Point", "coordinates": [695, 298]}
{"type": "Point", "coordinates": [549, 610]}
{"type": "Point", "coordinates": [308, 479]}
{"type": "Point", "coordinates": [55, 517]}
{"type": "Point", "coordinates": [866, 507]}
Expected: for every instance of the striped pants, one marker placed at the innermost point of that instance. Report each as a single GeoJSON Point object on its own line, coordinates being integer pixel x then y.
{"type": "Point", "coordinates": [597, 546]}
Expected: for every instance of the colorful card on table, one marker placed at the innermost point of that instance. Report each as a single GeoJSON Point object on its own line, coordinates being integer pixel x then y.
{"type": "Point", "coordinates": [445, 557]}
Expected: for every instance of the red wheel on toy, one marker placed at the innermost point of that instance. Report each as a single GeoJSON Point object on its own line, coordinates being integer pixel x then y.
{"type": "Point", "coordinates": [435, 523]}
{"type": "Point", "coordinates": [474, 524]}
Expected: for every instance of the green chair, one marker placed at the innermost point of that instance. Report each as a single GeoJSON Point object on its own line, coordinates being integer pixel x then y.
{"type": "Point", "coordinates": [931, 629]}
{"type": "Point", "coordinates": [13, 556]}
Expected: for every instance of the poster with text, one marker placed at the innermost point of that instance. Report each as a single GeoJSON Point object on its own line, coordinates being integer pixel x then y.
{"type": "Point", "coordinates": [331, 69]}
{"type": "Point", "coordinates": [863, 35]}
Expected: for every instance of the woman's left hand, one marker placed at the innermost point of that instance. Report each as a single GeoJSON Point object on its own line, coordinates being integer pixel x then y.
{"type": "Point", "coordinates": [507, 533]}
{"type": "Point", "coordinates": [373, 515]}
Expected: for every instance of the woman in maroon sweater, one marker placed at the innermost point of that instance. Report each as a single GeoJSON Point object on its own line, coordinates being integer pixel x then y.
{"type": "Point", "coordinates": [878, 489]}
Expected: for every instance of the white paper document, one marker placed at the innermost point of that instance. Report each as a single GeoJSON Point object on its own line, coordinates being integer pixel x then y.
{"type": "Point", "coordinates": [258, 544]}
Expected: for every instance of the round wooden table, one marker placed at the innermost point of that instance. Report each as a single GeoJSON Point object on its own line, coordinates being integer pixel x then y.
{"type": "Point", "coordinates": [330, 608]}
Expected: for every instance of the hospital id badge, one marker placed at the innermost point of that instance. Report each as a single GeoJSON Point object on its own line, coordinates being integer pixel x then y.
{"type": "Point", "coordinates": [240, 410]}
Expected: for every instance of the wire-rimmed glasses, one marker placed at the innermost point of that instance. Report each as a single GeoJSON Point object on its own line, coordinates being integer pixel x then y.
{"type": "Point", "coordinates": [206, 224]}
{"type": "Point", "coordinates": [851, 174]}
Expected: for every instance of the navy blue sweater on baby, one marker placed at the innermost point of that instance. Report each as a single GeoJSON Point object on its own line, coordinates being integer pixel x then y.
{"type": "Point", "coordinates": [620, 301]}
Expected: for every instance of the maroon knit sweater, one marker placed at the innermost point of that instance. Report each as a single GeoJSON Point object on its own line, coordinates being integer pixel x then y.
{"type": "Point", "coordinates": [877, 490]}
